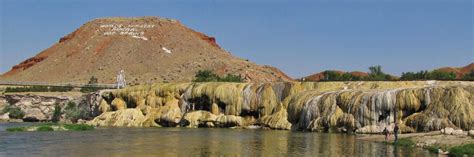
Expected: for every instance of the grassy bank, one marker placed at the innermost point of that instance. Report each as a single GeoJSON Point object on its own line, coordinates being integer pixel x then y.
{"type": "Point", "coordinates": [52, 127]}
{"type": "Point", "coordinates": [467, 149]}
{"type": "Point", "coordinates": [403, 142]}
{"type": "Point", "coordinates": [455, 151]}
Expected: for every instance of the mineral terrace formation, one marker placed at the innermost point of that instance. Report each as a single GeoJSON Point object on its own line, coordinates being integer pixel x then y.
{"type": "Point", "coordinates": [365, 107]}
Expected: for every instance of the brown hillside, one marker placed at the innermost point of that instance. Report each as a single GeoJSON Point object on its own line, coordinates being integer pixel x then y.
{"type": "Point", "coordinates": [459, 71]}
{"type": "Point", "coordinates": [149, 49]}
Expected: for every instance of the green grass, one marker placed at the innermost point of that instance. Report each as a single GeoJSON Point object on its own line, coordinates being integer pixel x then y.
{"type": "Point", "coordinates": [78, 127]}
{"type": "Point", "coordinates": [433, 149]}
{"type": "Point", "coordinates": [467, 149]}
{"type": "Point", "coordinates": [16, 129]}
{"type": "Point", "coordinates": [403, 142]}
{"type": "Point", "coordinates": [49, 127]}
{"type": "Point", "coordinates": [44, 128]}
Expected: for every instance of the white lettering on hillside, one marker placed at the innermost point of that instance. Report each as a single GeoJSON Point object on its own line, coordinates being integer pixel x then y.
{"type": "Point", "coordinates": [166, 50]}
{"type": "Point", "coordinates": [133, 30]}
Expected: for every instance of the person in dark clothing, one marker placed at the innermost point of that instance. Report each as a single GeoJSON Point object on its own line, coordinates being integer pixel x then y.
{"type": "Point", "coordinates": [385, 132]}
{"type": "Point", "coordinates": [395, 132]}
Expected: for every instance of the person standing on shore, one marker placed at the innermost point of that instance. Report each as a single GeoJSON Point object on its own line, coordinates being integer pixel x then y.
{"type": "Point", "coordinates": [395, 132]}
{"type": "Point", "coordinates": [386, 133]}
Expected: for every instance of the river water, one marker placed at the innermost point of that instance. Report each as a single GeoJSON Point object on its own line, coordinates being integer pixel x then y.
{"type": "Point", "coordinates": [131, 142]}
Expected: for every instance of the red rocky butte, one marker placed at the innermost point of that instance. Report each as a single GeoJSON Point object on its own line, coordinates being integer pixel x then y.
{"type": "Point", "coordinates": [148, 49]}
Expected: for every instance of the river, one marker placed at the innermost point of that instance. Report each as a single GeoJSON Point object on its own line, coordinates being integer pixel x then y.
{"type": "Point", "coordinates": [190, 142]}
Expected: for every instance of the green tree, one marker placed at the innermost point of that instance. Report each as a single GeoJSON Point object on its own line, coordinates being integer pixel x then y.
{"type": "Point", "coordinates": [206, 76]}
{"type": "Point", "coordinates": [376, 74]}
{"type": "Point", "coordinates": [375, 70]}
{"type": "Point", "coordinates": [209, 76]}
{"type": "Point", "coordinates": [331, 76]}
{"type": "Point", "coordinates": [441, 75]}
{"type": "Point", "coordinates": [469, 76]}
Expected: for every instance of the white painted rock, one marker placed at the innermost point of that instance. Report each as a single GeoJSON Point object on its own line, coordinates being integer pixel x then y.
{"type": "Point", "coordinates": [442, 131]}
{"type": "Point", "coordinates": [448, 131]}
{"type": "Point", "coordinates": [442, 152]}
{"type": "Point", "coordinates": [430, 142]}
{"type": "Point", "coordinates": [5, 117]}
{"type": "Point", "coordinates": [458, 132]}
{"type": "Point", "coordinates": [471, 133]}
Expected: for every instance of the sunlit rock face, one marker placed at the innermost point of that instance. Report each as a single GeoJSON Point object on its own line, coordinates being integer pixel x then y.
{"type": "Point", "coordinates": [369, 111]}
{"type": "Point", "coordinates": [35, 107]}
{"type": "Point", "coordinates": [365, 107]}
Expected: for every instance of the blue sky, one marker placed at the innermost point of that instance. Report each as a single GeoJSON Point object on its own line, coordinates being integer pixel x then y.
{"type": "Point", "coordinates": [298, 37]}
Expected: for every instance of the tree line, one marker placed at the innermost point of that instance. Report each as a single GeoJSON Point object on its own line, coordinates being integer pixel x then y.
{"type": "Point", "coordinates": [376, 74]}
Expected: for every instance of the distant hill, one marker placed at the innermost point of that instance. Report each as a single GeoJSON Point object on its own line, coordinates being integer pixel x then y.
{"type": "Point", "coordinates": [149, 49]}
{"type": "Point", "coordinates": [459, 71]}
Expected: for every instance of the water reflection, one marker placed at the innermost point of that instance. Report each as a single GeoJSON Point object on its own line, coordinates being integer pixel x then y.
{"type": "Point", "coordinates": [192, 142]}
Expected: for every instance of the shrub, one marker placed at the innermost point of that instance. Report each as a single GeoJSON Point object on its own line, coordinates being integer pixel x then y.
{"type": "Point", "coordinates": [93, 80]}
{"type": "Point", "coordinates": [60, 88]}
{"type": "Point", "coordinates": [231, 78]}
{"type": "Point", "coordinates": [15, 112]}
{"type": "Point", "coordinates": [206, 76]}
{"type": "Point", "coordinates": [74, 112]}
{"type": "Point", "coordinates": [89, 89]}
{"type": "Point", "coordinates": [39, 89]}
{"type": "Point", "coordinates": [435, 148]}
{"type": "Point", "coordinates": [27, 89]}
{"type": "Point", "coordinates": [209, 76]}
{"type": "Point", "coordinates": [56, 113]}
{"type": "Point", "coordinates": [469, 76]}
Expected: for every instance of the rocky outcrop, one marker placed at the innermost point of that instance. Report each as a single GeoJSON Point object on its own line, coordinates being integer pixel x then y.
{"type": "Point", "coordinates": [207, 119]}
{"type": "Point", "coordinates": [415, 109]}
{"type": "Point", "coordinates": [199, 118]}
{"type": "Point", "coordinates": [471, 133]}
{"type": "Point", "coordinates": [365, 107]}
{"type": "Point", "coordinates": [41, 108]}
{"type": "Point", "coordinates": [123, 118]}
{"type": "Point", "coordinates": [4, 117]}
{"type": "Point", "coordinates": [35, 107]}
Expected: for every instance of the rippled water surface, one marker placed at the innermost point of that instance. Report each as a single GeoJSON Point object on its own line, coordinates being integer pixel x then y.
{"type": "Point", "coordinates": [190, 142]}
